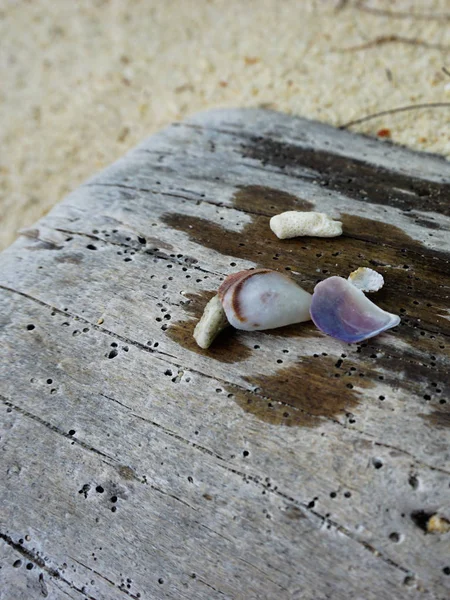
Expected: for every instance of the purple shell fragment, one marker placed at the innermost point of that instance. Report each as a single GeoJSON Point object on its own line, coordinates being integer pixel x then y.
{"type": "Point", "coordinates": [339, 309]}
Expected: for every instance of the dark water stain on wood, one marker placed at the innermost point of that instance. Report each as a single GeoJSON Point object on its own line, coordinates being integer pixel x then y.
{"type": "Point", "coordinates": [412, 369]}
{"type": "Point", "coordinates": [226, 348]}
{"type": "Point", "coordinates": [417, 278]}
{"type": "Point", "coordinates": [353, 177]}
{"type": "Point", "coordinates": [414, 289]}
{"type": "Point", "coordinates": [299, 395]}
{"type": "Point", "coordinates": [321, 386]}
{"type": "Point", "coordinates": [267, 201]}
{"type": "Point", "coordinates": [256, 242]}
{"type": "Point", "coordinates": [384, 235]}
{"type": "Point", "coordinates": [378, 232]}
{"type": "Point", "coordinates": [411, 271]}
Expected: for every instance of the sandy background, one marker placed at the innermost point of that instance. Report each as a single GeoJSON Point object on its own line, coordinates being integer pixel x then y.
{"type": "Point", "coordinates": [83, 81]}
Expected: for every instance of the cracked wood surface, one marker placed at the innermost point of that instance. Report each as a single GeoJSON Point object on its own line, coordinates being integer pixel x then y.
{"type": "Point", "coordinates": [279, 464]}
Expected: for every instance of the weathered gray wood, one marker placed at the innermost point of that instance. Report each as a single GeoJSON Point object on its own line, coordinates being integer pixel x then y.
{"type": "Point", "coordinates": [140, 465]}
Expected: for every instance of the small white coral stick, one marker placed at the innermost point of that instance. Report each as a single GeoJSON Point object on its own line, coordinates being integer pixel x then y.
{"type": "Point", "coordinates": [213, 321]}
{"type": "Point", "coordinates": [294, 223]}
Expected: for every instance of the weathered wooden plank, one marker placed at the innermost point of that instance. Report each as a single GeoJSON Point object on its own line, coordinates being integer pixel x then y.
{"type": "Point", "coordinates": [27, 574]}
{"type": "Point", "coordinates": [190, 460]}
{"type": "Point", "coordinates": [277, 464]}
{"type": "Point", "coordinates": [32, 582]}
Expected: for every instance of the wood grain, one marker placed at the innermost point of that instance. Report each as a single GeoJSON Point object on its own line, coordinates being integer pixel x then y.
{"type": "Point", "coordinates": [280, 464]}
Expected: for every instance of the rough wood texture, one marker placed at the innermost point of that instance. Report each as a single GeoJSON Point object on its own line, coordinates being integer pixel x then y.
{"type": "Point", "coordinates": [278, 464]}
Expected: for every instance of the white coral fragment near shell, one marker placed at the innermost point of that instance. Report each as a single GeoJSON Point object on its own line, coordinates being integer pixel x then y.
{"type": "Point", "coordinates": [263, 299]}
{"type": "Point", "coordinates": [366, 280]}
{"type": "Point", "coordinates": [212, 322]}
{"type": "Point", "coordinates": [295, 223]}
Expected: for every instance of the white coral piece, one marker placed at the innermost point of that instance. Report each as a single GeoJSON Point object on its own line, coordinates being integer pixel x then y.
{"type": "Point", "coordinates": [366, 280]}
{"type": "Point", "coordinates": [212, 322]}
{"type": "Point", "coordinates": [294, 223]}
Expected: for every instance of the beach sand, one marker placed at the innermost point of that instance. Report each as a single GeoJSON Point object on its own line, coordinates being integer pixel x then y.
{"type": "Point", "coordinates": [82, 82]}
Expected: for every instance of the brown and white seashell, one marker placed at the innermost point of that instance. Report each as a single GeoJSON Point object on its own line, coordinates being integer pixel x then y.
{"type": "Point", "coordinates": [261, 299]}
